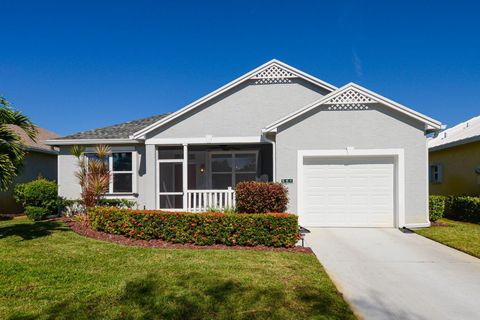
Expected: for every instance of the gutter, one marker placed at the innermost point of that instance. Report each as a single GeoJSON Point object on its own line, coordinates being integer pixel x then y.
{"type": "Point", "coordinates": [69, 142]}
{"type": "Point", "coordinates": [274, 157]}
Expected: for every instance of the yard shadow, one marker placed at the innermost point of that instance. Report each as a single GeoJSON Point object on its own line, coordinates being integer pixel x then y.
{"type": "Point", "coordinates": [197, 296]}
{"type": "Point", "coordinates": [30, 231]}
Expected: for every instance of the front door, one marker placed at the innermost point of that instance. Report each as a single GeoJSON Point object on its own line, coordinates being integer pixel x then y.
{"type": "Point", "coordinates": [170, 184]}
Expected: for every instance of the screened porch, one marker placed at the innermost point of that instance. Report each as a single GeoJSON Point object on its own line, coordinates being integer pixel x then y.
{"type": "Point", "coordinates": [206, 177]}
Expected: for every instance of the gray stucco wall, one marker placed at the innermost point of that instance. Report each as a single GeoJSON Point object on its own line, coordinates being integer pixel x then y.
{"type": "Point", "coordinates": [36, 163]}
{"type": "Point", "coordinates": [69, 188]}
{"type": "Point", "coordinates": [377, 128]}
{"type": "Point", "coordinates": [242, 111]}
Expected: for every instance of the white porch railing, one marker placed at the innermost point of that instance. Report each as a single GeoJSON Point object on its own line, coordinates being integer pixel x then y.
{"type": "Point", "coordinates": [203, 200]}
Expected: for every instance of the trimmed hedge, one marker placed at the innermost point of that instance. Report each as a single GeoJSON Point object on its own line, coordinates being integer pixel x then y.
{"type": "Point", "coordinates": [436, 207]}
{"type": "Point", "coordinates": [36, 213]}
{"type": "Point", "coordinates": [463, 209]}
{"type": "Point", "coordinates": [270, 229]}
{"type": "Point", "coordinates": [261, 197]}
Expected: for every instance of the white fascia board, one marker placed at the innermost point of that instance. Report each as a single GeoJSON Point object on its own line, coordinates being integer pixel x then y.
{"type": "Point", "coordinates": [274, 125]}
{"type": "Point", "coordinates": [454, 143]}
{"type": "Point", "coordinates": [141, 133]}
{"type": "Point", "coordinates": [434, 124]}
{"type": "Point", "coordinates": [205, 140]}
{"type": "Point", "coordinates": [41, 150]}
{"type": "Point", "coordinates": [395, 105]}
{"type": "Point", "coordinates": [69, 142]}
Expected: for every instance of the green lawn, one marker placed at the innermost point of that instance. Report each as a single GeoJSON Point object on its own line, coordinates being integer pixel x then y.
{"type": "Point", "coordinates": [459, 235]}
{"type": "Point", "coordinates": [49, 272]}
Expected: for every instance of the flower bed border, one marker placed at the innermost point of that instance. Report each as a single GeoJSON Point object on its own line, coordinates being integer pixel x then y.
{"type": "Point", "coordinates": [83, 230]}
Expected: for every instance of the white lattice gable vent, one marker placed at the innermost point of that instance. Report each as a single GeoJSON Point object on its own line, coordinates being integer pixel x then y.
{"type": "Point", "coordinates": [274, 74]}
{"type": "Point", "coordinates": [351, 99]}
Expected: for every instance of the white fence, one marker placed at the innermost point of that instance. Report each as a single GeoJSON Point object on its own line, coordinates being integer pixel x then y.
{"type": "Point", "coordinates": [202, 200]}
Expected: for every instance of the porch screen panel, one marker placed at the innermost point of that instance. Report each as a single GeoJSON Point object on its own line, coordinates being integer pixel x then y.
{"type": "Point", "coordinates": [229, 168]}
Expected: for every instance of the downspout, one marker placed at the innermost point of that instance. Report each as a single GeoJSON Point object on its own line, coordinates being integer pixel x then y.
{"type": "Point", "coordinates": [274, 156]}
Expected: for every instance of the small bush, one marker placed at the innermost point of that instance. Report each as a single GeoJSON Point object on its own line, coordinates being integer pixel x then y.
{"type": "Point", "coordinates": [71, 208]}
{"type": "Point", "coordinates": [271, 229]}
{"type": "Point", "coordinates": [463, 209]}
{"type": "Point", "coordinates": [117, 203]}
{"type": "Point", "coordinates": [40, 193]}
{"type": "Point", "coordinates": [36, 213]}
{"type": "Point", "coordinates": [436, 207]}
{"type": "Point", "coordinates": [261, 197]}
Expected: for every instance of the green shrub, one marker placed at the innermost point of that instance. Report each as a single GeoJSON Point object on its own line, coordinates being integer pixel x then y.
{"type": "Point", "coordinates": [117, 203]}
{"type": "Point", "coordinates": [36, 213]}
{"type": "Point", "coordinates": [40, 193]}
{"type": "Point", "coordinates": [270, 229]}
{"type": "Point", "coordinates": [436, 207]}
{"type": "Point", "coordinates": [464, 209]}
{"type": "Point", "coordinates": [260, 197]}
{"type": "Point", "coordinates": [70, 208]}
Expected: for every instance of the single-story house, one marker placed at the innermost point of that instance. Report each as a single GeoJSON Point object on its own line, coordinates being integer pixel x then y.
{"type": "Point", "coordinates": [349, 156]}
{"type": "Point", "coordinates": [454, 157]}
{"type": "Point", "coordinates": [40, 160]}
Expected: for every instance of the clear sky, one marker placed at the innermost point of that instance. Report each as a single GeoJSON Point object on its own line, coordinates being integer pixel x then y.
{"type": "Point", "coordinates": [77, 65]}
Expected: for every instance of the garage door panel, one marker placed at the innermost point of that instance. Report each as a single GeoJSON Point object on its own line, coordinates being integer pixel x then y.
{"type": "Point", "coordinates": [348, 192]}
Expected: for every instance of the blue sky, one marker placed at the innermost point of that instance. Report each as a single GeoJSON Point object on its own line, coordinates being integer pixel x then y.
{"type": "Point", "coordinates": [77, 65]}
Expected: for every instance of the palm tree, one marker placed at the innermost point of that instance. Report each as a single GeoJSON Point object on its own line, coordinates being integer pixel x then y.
{"type": "Point", "coordinates": [12, 150]}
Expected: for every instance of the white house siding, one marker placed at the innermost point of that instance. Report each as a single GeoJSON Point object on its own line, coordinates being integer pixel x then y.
{"type": "Point", "coordinates": [69, 188]}
{"type": "Point", "coordinates": [376, 128]}
{"type": "Point", "coordinates": [242, 111]}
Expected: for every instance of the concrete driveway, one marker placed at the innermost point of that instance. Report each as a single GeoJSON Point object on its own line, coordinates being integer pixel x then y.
{"type": "Point", "coordinates": [389, 274]}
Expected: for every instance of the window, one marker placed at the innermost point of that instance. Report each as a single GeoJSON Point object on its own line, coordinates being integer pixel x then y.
{"type": "Point", "coordinates": [122, 173]}
{"type": "Point", "coordinates": [436, 173]}
{"type": "Point", "coordinates": [121, 166]}
{"type": "Point", "coordinates": [229, 168]}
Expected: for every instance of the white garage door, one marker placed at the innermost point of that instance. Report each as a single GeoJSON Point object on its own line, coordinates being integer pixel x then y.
{"type": "Point", "coordinates": [348, 192]}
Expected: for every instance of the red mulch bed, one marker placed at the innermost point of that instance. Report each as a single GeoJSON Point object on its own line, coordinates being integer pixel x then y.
{"type": "Point", "coordinates": [84, 230]}
{"type": "Point", "coordinates": [438, 224]}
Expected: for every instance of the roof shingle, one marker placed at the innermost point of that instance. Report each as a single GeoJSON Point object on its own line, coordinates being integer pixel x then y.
{"type": "Point", "coordinates": [116, 131]}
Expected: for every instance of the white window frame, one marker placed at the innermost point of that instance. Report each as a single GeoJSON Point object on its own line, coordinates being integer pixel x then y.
{"type": "Point", "coordinates": [133, 172]}
{"type": "Point", "coordinates": [233, 172]}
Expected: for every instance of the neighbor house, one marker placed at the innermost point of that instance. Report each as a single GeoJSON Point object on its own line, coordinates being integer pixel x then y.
{"type": "Point", "coordinates": [455, 160]}
{"type": "Point", "coordinates": [40, 160]}
{"type": "Point", "coordinates": [348, 156]}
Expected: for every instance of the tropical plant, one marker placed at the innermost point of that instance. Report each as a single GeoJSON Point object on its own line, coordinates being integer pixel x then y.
{"type": "Point", "coordinates": [93, 173]}
{"type": "Point", "coordinates": [12, 150]}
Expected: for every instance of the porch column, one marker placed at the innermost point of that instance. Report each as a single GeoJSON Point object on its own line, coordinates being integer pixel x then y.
{"type": "Point", "coordinates": [185, 175]}
{"type": "Point", "coordinates": [148, 188]}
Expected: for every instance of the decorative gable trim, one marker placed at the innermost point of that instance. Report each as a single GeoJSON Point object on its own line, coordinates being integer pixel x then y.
{"type": "Point", "coordinates": [273, 71]}
{"type": "Point", "coordinates": [350, 96]}
{"type": "Point", "coordinates": [274, 74]}
{"type": "Point", "coordinates": [355, 97]}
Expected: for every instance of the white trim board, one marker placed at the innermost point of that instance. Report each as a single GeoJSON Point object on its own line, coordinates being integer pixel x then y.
{"type": "Point", "coordinates": [399, 163]}
{"type": "Point", "coordinates": [429, 122]}
{"type": "Point", "coordinates": [206, 140]}
{"type": "Point", "coordinates": [300, 74]}
{"type": "Point", "coordinates": [69, 142]}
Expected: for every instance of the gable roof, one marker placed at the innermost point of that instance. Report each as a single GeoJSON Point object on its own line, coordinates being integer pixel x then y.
{"type": "Point", "coordinates": [38, 145]}
{"type": "Point", "coordinates": [120, 132]}
{"type": "Point", "coordinates": [274, 71]}
{"type": "Point", "coordinates": [354, 96]}
{"type": "Point", "coordinates": [462, 133]}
